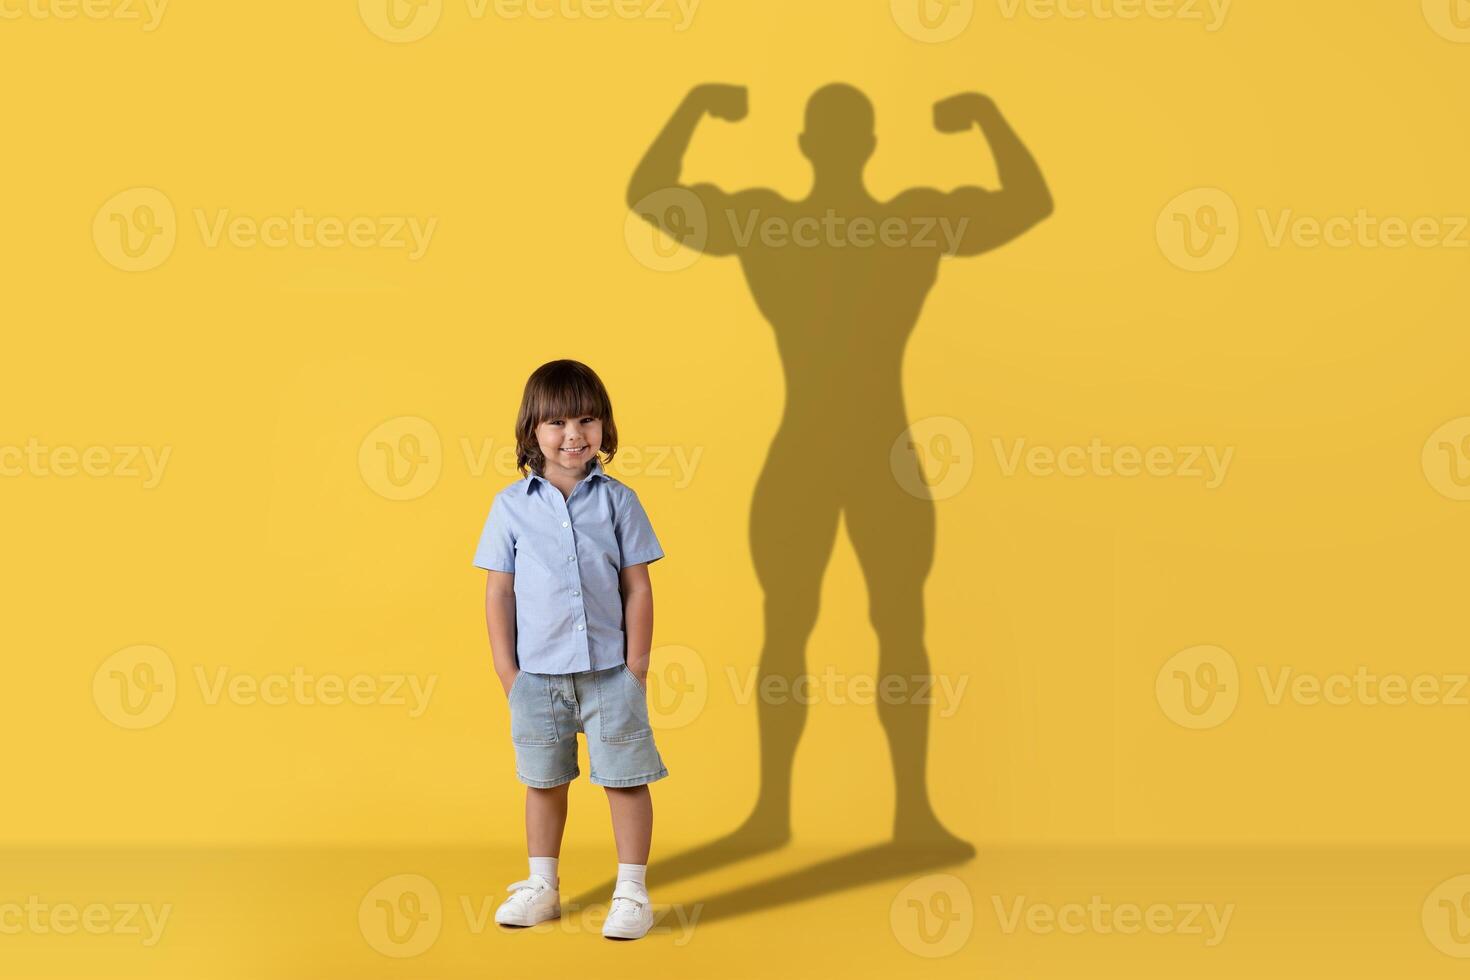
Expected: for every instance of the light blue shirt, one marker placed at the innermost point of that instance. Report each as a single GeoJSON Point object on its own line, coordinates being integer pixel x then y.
{"type": "Point", "coordinates": [566, 554]}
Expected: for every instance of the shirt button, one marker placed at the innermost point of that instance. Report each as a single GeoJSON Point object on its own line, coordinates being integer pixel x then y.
{"type": "Point", "coordinates": [580, 626]}
{"type": "Point", "coordinates": [571, 557]}
{"type": "Point", "coordinates": [576, 593]}
{"type": "Point", "coordinates": [564, 524]}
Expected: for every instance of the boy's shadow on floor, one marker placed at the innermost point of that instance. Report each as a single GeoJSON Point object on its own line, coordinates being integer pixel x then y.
{"type": "Point", "coordinates": [843, 303]}
{"type": "Point", "coordinates": [866, 866]}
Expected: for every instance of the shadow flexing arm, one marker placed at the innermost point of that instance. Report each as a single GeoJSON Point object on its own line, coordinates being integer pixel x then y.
{"type": "Point", "coordinates": [691, 214]}
{"type": "Point", "coordinates": [992, 218]}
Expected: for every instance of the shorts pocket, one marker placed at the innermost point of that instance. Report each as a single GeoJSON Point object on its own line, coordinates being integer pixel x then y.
{"type": "Point", "coordinates": [531, 719]}
{"type": "Point", "coordinates": [623, 707]}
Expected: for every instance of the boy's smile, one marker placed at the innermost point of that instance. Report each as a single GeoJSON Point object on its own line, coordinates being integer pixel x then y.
{"type": "Point", "coordinates": [567, 444]}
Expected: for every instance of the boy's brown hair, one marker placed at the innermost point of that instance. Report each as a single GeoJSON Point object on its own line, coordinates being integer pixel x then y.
{"type": "Point", "coordinates": [557, 390]}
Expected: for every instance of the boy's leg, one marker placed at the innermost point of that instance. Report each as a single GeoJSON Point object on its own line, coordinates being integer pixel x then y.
{"type": "Point", "coordinates": [632, 820]}
{"type": "Point", "coordinates": [546, 819]}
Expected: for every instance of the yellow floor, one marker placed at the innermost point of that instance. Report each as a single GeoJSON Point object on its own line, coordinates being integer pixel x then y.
{"type": "Point", "coordinates": [799, 912]}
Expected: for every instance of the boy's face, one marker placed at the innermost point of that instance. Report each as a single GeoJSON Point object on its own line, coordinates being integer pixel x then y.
{"type": "Point", "coordinates": [569, 444]}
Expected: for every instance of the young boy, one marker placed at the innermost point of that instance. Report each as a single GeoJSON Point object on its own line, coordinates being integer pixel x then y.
{"type": "Point", "coordinates": [570, 614]}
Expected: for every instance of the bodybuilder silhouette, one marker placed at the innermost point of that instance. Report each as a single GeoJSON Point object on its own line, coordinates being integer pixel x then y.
{"type": "Point", "coordinates": [841, 277]}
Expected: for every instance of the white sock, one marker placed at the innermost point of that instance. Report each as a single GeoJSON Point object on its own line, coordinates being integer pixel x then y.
{"type": "Point", "coordinates": [546, 868]}
{"type": "Point", "coordinates": [634, 872]}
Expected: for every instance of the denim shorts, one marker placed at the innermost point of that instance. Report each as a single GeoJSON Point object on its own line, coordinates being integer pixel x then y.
{"type": "Point", "coordinates": [609, 706]}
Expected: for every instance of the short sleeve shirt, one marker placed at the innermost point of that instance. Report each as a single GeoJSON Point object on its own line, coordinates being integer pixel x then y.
{"type": "Point", "coordinates": [566, 554]}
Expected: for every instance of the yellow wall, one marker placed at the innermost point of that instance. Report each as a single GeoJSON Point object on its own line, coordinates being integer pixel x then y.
{"type": "Point", "coordinates": [267, 545]}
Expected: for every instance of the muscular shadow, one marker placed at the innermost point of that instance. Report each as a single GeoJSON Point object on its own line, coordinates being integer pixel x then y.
{"type": "Point", "coordinates": [841, 277]}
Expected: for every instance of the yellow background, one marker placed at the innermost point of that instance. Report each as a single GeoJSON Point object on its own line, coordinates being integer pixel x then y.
{"type": "Point", "coordinates": [265, 546]}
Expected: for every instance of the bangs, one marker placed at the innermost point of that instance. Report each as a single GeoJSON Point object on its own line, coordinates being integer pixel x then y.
{"type": "Point", "coordinates": [566, 401]}
{"type": "Point", "coordinates": [566, 389]}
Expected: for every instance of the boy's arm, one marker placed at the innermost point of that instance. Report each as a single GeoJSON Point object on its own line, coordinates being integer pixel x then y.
{"type": "Point", "coordinates": [637, 618]}
{"type": "Point", "coordinates": [500, 618]}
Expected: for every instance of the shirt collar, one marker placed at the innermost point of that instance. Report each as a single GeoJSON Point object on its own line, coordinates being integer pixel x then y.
{"type": "Point", "coordinates": [594, 470]}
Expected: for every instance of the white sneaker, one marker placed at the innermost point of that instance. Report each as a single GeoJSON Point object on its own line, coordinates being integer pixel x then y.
{"type": "Point", "coordinates": [535, 900]}
{"type": "Point", "coordinates": [631, 913]}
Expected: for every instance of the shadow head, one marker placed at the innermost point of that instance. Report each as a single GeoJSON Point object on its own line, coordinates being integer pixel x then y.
{"type": "Point", "coordinates": [839, 137]}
